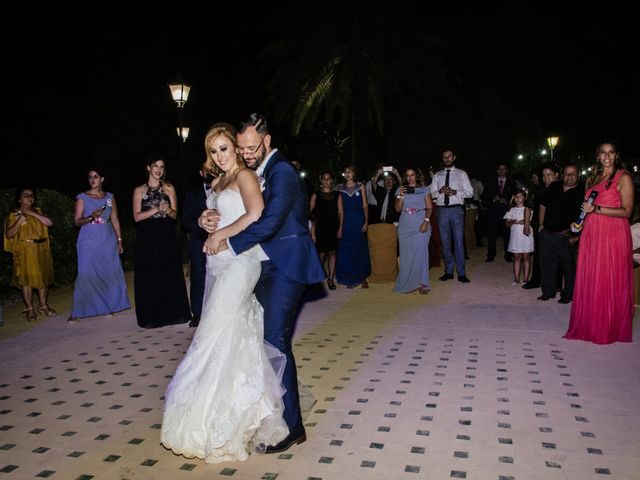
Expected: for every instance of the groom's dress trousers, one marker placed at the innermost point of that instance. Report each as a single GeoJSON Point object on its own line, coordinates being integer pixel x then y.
{"type": "Point", "coordinates": [292, 263]}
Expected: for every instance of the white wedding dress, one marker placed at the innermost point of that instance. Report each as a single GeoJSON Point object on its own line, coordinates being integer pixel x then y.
{"type": "Point", "coordinates": [225, 399]}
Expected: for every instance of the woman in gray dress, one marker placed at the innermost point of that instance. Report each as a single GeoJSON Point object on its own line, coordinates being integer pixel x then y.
{"type": "Point", "coordinates": [414, 203]}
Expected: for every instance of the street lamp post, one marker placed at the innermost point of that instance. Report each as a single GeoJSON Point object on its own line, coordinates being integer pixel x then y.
{"type": "Point", "coordinates": [552, 142]}
{"type": "Point", "coordinates": [180, 93]}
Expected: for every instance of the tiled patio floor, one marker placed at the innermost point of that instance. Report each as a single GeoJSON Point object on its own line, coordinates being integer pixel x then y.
{"type": "Point", "coordinates": [471, 381]}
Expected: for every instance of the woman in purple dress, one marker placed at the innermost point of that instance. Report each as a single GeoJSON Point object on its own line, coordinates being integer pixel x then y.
{"type": "Point", "coordinates": [100, 288]}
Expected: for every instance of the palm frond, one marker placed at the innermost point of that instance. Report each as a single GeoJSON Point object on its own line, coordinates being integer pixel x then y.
{"type": "Point", "coordinates": [314, 93]}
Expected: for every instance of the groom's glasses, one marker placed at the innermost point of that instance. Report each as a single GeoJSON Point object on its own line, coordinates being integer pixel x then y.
{"type": "Point", "coordinates": [250, 150]}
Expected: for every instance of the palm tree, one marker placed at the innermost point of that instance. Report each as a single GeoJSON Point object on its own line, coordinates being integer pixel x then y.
{"type": "Point", "coordinates": [348, 67]}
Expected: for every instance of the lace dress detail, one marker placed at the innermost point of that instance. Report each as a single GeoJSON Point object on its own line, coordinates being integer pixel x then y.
{"type": "Point", "coordinates": [152, 198]}
{"type": "Point", "coordinates": [225, 399]}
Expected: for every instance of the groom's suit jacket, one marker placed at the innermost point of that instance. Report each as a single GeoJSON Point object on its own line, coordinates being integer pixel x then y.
{"type": "Point", "coordinates": [282, 230]}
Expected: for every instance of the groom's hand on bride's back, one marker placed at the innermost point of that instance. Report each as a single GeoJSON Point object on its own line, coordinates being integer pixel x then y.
{"type": "Point", "coordinates": [209, 220]}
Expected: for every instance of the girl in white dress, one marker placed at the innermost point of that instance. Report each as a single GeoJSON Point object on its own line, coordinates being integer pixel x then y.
{"type": "Point", "coordinates": [225, 399]}
{"type": "Point", "coordinates": [518, 219]}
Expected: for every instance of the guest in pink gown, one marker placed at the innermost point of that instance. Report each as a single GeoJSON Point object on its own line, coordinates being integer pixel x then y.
{"type": "Point", "coordinates": [602, 309]}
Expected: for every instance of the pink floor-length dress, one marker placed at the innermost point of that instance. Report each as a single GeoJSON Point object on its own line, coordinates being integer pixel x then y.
{"type": "Point", "coordinates": [602, 308]}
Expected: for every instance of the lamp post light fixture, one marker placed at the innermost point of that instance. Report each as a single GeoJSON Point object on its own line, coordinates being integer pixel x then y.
{"type": "Point", "coordinates": [520, 157]}
{"type": "Point", "coordinates": [180, 93]}
{"type": "Point", "coordinates": [179, 90]}
{"type": "Point", "coordinates": [552, 142]}
{"type": "Point", "coordinates": [183, 133]}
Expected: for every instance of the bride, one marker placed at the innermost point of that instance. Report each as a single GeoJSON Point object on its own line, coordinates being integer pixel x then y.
{"type": "Point", "coordinates": [225, 399]}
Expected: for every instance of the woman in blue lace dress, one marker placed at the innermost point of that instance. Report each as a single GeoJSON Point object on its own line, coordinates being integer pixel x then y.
{"type": "Point", "coordinates": [160, 289]}
{"type": "Point", "coordinates": [353, 265]}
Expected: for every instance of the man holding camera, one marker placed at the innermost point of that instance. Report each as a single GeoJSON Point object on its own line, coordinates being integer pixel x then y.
{"type": "Point", "coordinates": [384, 195]}
{"type": "Point", "coordinates": [449, 188]}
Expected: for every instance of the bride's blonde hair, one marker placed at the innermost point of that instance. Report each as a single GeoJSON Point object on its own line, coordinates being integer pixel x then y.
{"type": "Point", "coordinates": [218, 129]}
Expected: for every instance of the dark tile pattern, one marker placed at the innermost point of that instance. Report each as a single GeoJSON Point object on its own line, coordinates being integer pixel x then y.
{"type": "Point", "coordinates": [407, 402]}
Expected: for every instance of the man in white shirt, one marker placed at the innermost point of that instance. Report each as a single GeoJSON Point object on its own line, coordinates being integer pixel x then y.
{"type": "Point", "coordinates": [449, 188]}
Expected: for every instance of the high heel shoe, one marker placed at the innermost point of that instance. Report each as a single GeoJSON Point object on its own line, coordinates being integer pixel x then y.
{"type": "Point", "coordinates": [331, 285]}
{"type": "Point", "coordinates": [30, 314]}
{"type": "Point", "coordinates": [47, 311]}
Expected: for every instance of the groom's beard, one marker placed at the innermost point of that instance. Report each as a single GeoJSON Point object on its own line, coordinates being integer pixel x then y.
{"type": "Point", "coordinates": [254, 162]}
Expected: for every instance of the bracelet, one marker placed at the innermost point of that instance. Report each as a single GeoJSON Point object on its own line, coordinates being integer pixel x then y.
{"type": "Point", "coordinates": [119, 239]}
{"type": "Point", "coordinates": [598, 209]}
{"type": "Point", "coordinates": [400, 197]}
{"type": "Point", "coordinates": [427, 219]}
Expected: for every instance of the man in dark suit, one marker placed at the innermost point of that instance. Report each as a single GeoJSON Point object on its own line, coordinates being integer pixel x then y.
{"type": "Point", "coordinates": [497, 196]}
{"type": "Point", "coordinates": [290, 260]}
{"type": "Point", "coordinates": [195, 202]}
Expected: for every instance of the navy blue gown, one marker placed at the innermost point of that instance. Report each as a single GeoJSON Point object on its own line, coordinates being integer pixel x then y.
{"type": "Point", "coordinates": [353, 265]}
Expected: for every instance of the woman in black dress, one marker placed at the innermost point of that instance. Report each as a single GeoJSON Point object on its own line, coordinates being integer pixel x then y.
{"type": "Point", "coordinates": [326, 215]}
{"type": "Point", "coordinates": [160, 290]}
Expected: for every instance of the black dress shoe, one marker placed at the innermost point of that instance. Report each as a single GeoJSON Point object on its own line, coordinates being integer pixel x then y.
{"type": "Point", "coordinates": [564, 300]}
{"type": "Point", "coordinates": [529, 285]}
{"type": "Point", "coordinates": [464, 279]}
{"type": "Point", "coordinates": [195, 321]}
{"type": "Point", "coordinates": [544, 298]}
{"type": "Point", "coordinates": [489, 259]}
{"type": "Point", "coordinates": [292, 439]}
{"type": "Point", "coordinates": [446, 276]}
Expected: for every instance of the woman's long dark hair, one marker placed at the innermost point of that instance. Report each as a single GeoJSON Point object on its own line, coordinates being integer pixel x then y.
{"type": "Point", "coordinates": [419, 175]}
{"type": "Point", "coordinates": [18, 194]}
{"type": "Point", "coordinates": [597, 169]}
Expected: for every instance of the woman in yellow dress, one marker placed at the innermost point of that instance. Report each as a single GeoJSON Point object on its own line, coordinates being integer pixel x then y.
{"type": "Point", "coordinates": [26, 236]}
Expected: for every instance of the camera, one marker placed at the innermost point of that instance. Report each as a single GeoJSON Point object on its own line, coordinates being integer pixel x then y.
{"type": "Point", "coordinates": [387, 169]}
{"type": "Point", "coordinates": [408, 189]}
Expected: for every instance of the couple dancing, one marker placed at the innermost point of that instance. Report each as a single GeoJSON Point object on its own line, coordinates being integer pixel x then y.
{"type": "Point", "coordinates": [235, 392]}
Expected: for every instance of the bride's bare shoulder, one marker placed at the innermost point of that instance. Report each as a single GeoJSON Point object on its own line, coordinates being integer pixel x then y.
{"type": "Point", "coordinates": [246, 174]}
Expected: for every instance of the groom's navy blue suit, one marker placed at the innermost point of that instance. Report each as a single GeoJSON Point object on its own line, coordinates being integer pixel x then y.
{"type": "Point", "coordinates": [282, 232]}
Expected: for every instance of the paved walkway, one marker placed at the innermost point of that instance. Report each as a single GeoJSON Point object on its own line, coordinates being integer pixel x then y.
{"type": "Point", "coordinates": [471, 381]}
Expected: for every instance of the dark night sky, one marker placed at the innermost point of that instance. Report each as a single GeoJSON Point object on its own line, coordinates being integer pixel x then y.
{"type": "Point", "coordinates": [94, 91]}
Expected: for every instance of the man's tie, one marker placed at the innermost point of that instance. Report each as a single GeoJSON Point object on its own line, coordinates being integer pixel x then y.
{"type": "Point", "coordinates": [446, 184]}
{"type": "Point", "coordinates": [384, 208]}
{"type": "Point", "coordinates": [501, 181]}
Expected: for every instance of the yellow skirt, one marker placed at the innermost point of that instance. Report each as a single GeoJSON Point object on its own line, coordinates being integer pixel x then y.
{"type": "Point", "coordinates": [32, 264]}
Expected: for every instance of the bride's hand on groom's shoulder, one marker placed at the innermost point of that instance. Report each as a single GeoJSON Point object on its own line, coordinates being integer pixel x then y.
{"type": "Point", "coordinates": [209, 220]}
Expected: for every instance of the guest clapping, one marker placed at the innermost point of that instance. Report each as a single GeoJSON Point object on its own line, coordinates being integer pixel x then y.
{"type": "Point", "coordinates": [413, 201]}
{"type": "Point", "coordinates": [100, 288]}
{"type": "Point", "coordinates": [602, 310]}
{"type": "Point", "coordinates": [26, 236]}
{"type": "Point", "coordinates": [160, 289]}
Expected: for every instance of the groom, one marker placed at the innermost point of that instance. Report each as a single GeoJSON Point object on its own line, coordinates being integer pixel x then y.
{"type": "Point", "coordinates": [290, 261]}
